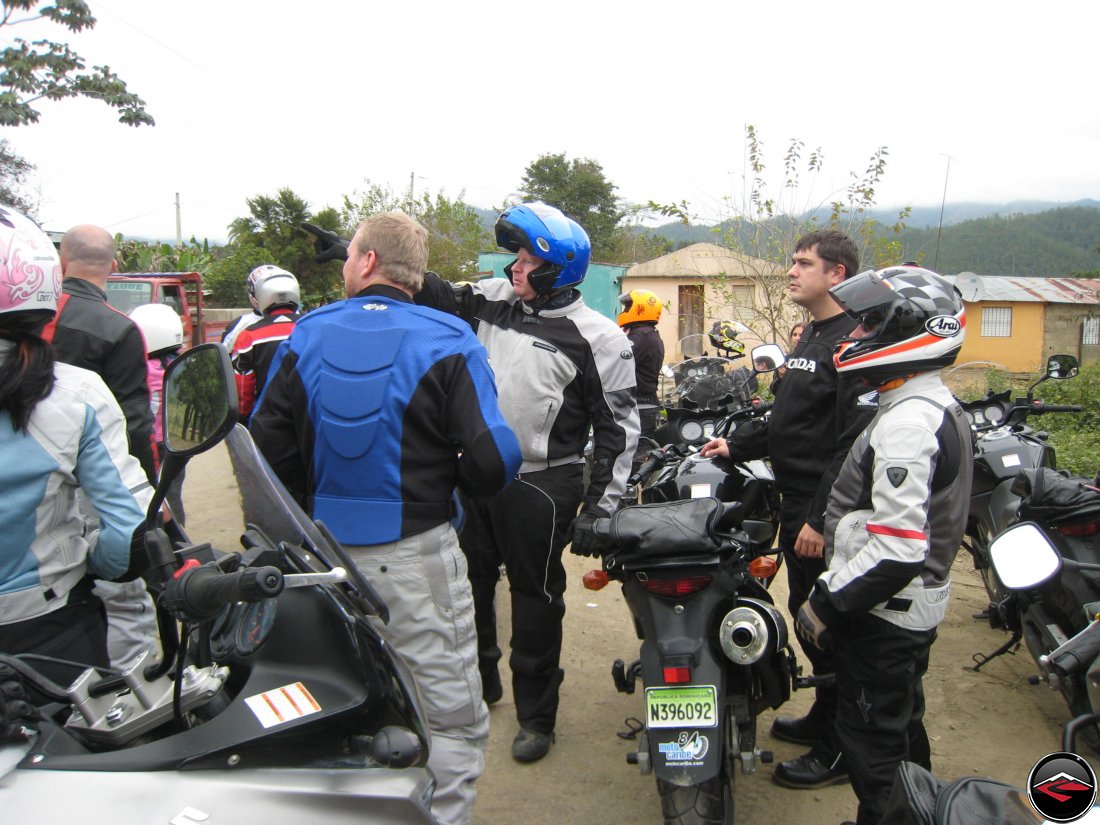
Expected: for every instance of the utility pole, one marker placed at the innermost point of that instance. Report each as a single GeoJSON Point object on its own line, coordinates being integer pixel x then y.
{"type": "Point", "coordinates": [412, 175]}
{"type": "Point", "coordinates": [179, 235]}
{"type": "Point", "coordinates": [939, 229]}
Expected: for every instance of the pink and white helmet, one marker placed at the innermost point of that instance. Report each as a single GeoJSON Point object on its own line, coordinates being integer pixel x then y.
{"type": "Point", "coordinates": [30, 269]}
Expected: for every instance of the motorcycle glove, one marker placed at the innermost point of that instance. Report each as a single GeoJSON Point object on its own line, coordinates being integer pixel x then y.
{"type": "Point", "coordinates": [810, 628]}
{"type": "Point", "coordinates": [327, 244]}
{"type": "Point", "coordinates": [582, 540]}
{"type": "Point", "coordinates": [17, 714]}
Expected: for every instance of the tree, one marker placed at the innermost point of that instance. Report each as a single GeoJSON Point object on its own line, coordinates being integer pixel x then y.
{"type": "Point", "coordinates": [360, 205]}
{"type": "Point", "coordinates": [13, 173]}
{"type": "Point", "coordinates": [761, 231]}
{"type": "Point", "coordinates": [274, 227]}
{"type": "Point", "coordinates": [272, 234]}
{"type": "Point", "coordinates": [579, 189]}
{"type": "Point", "coordinates": [630, 243]}
{"type": "Point", "coordinates": [226, 276]}
{"type": "Point", "coordinates": [44, 70]}
{"type": "Point", "coordinates": [138, 256]}
{"type": "Point", "coordinates": [456, 234]}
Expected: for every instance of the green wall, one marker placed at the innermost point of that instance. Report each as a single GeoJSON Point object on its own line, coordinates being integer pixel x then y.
{"type": "Point", "coordinates": [601, 286]}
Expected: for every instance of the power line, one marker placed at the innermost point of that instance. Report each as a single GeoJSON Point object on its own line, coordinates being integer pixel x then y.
{"type": "Point", "coordinates": [160, 43]}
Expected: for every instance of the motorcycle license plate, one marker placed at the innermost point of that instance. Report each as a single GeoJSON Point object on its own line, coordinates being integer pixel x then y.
{"type": "Point", "coordinates": [694, 707]}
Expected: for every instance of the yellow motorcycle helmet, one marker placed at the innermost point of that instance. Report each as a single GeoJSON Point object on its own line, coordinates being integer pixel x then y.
{"type": "Point", "coordinates": [637, 306]}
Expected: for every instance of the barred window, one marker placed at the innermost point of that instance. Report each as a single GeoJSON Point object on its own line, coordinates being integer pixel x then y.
{"type": "Point", "coordinates": [996, 322]}
{"type": "Point", "coordinates": [1090, 331]}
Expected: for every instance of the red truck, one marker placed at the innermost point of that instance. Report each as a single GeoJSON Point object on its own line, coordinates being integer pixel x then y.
{"type": "Point", "coordinates": [180, 290]}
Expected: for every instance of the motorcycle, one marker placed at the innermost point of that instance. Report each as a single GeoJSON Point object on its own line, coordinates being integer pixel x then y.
{"type": "Point", "coordinates": [675, 470]}
{"type": "Point", "coordinates": [715, 651]}
{"type": "Point", "coordinates": [704, 390]}
{"type": "Point", "coordinates": [1004, 445]}
{"type": "Point", "coordinates": [276, 698]}
{"type": "Point", "coordinates": [1048, 567]}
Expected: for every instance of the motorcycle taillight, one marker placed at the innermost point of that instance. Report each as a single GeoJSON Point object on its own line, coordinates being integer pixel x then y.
{"type": "Point", "coordinates": [676, 675]}
{"type": "Point", "coordinates": [677, 587]}
{"type": "Point", "coordinates": [1089, 528]}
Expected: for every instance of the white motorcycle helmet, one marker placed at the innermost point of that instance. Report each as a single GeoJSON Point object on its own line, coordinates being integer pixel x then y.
{"type": "Point", "coordinates": [278, 291]}
{"type": "Point", "coordinates": [160, 326]}
{"type": "Point", "coordinates": [30, 268]}
{"type": "Point", "coordinates": [257, 276]}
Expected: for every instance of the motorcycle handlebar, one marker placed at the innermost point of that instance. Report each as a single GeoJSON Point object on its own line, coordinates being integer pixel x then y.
{"type": "Point", "coordinates": [601, 528]}
{"type": "Point", "coordinates": [1042, 407]}
{"type": "Point", "coordinates": [198, 592]}
{"type": "Point", "coordinates": [655, 460]}
{"type": "Point", "coordinates": [1078, 652]}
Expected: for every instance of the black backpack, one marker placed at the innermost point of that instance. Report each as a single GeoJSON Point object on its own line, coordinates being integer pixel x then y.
{"type": "Point", "coordinates": [918, 798]}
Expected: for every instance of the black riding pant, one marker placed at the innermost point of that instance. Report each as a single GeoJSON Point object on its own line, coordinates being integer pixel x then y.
{"type": "Point", "coordinates": [801, 575]}
{"type": "Point", "coordinates": [75, 633]}
{"type": "Point", "coordinates": [524, 528]}
{"type": "Point", "coordinates": [880, 713]}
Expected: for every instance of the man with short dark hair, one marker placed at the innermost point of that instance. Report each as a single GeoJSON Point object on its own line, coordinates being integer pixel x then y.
{"type": "Point", "coordinates": [815, 419]}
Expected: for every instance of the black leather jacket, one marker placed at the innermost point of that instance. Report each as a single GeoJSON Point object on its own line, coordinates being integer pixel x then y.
{"type": "Point", "coordinates": [649, 356]}
{"type": "Point", "coordinates": [92, 334]}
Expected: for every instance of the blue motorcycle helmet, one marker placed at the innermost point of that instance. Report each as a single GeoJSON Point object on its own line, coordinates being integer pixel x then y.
{"type": "Point", "coordinates": [546, 233]}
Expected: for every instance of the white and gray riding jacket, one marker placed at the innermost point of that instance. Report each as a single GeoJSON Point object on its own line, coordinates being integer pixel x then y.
{"type": "Point", "coordinates": [897, 512]}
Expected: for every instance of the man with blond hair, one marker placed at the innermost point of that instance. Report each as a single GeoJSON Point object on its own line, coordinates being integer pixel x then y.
{"type": "Point", "coordinates": [375, 410]}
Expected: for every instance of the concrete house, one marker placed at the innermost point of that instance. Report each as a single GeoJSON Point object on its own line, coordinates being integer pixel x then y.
{"type": "Point", "coordinates": [700, 284]}
{"type": "Point", "coordinates": [1019, 322]}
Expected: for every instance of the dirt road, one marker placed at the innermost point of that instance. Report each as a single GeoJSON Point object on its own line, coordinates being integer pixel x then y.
{"type": "Point", "coordinates": [992, 723]}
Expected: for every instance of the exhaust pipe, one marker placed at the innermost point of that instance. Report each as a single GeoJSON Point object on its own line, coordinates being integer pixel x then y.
{"type": "Point", "coordinates": [752, 630]}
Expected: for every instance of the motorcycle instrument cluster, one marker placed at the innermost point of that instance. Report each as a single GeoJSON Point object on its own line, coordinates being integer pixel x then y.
{"type": "Point", "coordinates": [241, 628]}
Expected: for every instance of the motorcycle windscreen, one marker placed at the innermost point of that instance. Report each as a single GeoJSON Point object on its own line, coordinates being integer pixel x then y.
{"type": "Point", "coordinates": [265, 501]}
{"type": "Point", "coordinates": [267, 504]}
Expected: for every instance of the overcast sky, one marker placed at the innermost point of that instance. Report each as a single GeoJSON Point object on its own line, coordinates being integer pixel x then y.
{"type": "Point", "coordinates": [253, 95]}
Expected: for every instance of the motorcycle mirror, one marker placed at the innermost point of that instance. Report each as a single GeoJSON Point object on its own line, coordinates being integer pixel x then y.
{"type": "Point", "coordinates": [200, 400]}
{"type": "Point", "coordinates": [1023, 557]}
{"type": "Point", "coordinates": [768, 358]}
{"type": "Point", "coordinates": [1061, 366]}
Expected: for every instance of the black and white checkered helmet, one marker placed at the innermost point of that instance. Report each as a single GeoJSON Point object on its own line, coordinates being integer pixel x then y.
{"type": "Point", "coordinates": [912, 321]}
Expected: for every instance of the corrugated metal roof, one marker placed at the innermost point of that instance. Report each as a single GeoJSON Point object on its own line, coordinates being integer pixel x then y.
{"type": "Point", "coordinates": [1036, 290]}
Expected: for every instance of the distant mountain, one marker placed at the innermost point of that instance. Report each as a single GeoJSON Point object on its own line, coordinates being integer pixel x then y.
{"type": "Point", "coordinates": [488, 217]}
{"type": "Point", "coordinates": [1056, 243]}
{"type": "Point", "coordinates": [928, 217]}
{"type": "Point", "coordinates": [1018, 238]}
